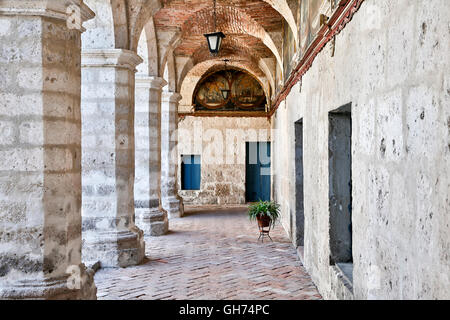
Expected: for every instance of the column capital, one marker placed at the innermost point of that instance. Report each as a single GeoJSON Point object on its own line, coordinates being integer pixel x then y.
{"type": "Point", "coordinates": [143, 81]}
{"type": "Point", "coordinates": [173, 97]}
{"type": "Point", "coordinates": [57, 9]}
{"type": "Point", "coordinates": [119, 58]}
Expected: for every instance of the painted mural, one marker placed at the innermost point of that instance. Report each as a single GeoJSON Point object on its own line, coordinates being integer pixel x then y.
{"type": "Point", "coordinates": [307, 14]}
{"type": "Point", "coordinates": [288, 48]}
{"type": "Point", "coordinates": [245, 92]}
{"type": "Point", "coordinates": [305, 33]}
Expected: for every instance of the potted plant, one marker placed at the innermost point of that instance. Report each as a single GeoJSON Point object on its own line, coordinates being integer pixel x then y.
{"type": "Point", "coordinates": [266, 213]}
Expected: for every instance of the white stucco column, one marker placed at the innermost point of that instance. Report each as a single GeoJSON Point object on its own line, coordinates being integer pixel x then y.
{"type": "Point", "coordinates": [150, 216]}
{"type": "Point", "coordinates": [107, 107]}
{"type": "Point", "coordinates": [40, 152]}
{"type": "Point", "coordinates": [171, 202]}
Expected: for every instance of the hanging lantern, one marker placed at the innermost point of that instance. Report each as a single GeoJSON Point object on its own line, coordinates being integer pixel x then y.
{"type": "Point", "coordinates": [215, 38]}
{"type": "Point", "coordinates": [214, 41]}
{"type": "Point", "coordinates": [225, 93]}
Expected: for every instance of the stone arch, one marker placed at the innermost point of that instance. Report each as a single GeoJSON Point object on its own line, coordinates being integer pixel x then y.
{"type": "Point", "coordinates": [269, 74]}
{"type": "Point", "coordinates": [109, 28]}
{"type": "Point", "coordinates": [152, 47]}
{"type": "Point", "coordinates": [141, 12]}
{"type": "Point", "coordinates": [170, 73]}
{"type": "Point", "coordinates": [283, 8]}
{"type": "Point", "coordinates": [142, 51]}
{"type": "Point", "coordinates": [148, 50]}
{"type": "Point", "coordinates": [188, 65]}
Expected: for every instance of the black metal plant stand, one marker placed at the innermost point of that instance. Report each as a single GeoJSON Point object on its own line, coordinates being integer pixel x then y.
{"type": "Point", "coordinates": [264, 233]}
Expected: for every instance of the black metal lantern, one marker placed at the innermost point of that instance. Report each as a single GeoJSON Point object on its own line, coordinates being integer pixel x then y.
{"type": "Point", "coordinates": [214, 41]}
{"type": "Point", "coordinates": [215, 38]}
{"type": "Point", "coordinates": [225, 93]}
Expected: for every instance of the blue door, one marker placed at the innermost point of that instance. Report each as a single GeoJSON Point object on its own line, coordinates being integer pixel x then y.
{"type": "Point", "coordinates": [257, 173]}
{"type": "Point", "coordinates": [190, 172]}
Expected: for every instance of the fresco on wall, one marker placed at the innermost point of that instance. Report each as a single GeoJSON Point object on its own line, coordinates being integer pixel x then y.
{"type": "Point", "coordinates": [289, 46]}
{"type": "Point", "coordinates": [314, 12]}
{"type": "Point", "coordinates": [307, 13]}
{"type": "Point", "coordinates": [246, 93]}
{"type": "Point", "coordinates": [288, 49]}
{"type": "Point", "coordinates": [305, 34]}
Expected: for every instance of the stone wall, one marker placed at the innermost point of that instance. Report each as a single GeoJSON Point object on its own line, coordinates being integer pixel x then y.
{"type": "Point", "coordinates": [391, 63]}
{"type": "Point", "coordinates": [220, 141]}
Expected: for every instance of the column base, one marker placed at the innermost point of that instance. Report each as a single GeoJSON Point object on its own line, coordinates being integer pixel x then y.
{"type": "Point", "coordinates": [77, 286]}
{"type": "Point", "coordinates": [174, 207]}
{"type": "Point", "coordinates": [153, 221]}
{"type": "Point", "coordinates": [114, 248]}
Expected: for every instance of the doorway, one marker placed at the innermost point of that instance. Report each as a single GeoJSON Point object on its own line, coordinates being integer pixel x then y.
{"type": "Point", "coordinates": [299, 204]}
{"type": "Point", "coordinates": [340, 189]}
{"type": "Point", "coordinates": [257, 173]}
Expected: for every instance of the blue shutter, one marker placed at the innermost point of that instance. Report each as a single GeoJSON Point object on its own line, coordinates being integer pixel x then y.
{"type": "Point", "coordinates": [196, 173]}
{"type": "Point", "coordinates": [190, 172]}
{"type": "Point", "coordinates": [264, 151]}
{"type": "Point", "coordinates": [184, 173]}
{"type": "Point", "coordinates": [257, 175]}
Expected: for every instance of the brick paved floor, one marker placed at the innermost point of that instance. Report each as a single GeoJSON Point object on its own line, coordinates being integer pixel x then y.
{"type": "Point", "coordinates": [212, 254]}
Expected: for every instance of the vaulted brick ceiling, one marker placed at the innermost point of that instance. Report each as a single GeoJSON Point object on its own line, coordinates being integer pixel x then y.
{"type": "Point", "coordinates": [245, 22]}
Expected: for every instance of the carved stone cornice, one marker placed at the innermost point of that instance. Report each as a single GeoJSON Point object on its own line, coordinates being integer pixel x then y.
{"type": "Point", "coordinates": [117, 58]}
{"type": "Point", "coordinates": [56, 9]}
{"type": "Point", "coordinates": [172, 97]}
{"type": "Point", "coordinates": [150, 82]}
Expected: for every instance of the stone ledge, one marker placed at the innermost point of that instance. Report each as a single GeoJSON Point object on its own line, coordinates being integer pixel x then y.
{"type": "Point", "coordinates": [52, 289]}
{"type": "Point", "coordinates": [343, 288]}
{"type": "Point", "coordinates": [153, 221]}
{"type": "Point", "coordinates": [107, 58]}
{"type": "Point", "coordinates": [114, 248]}
{"type": "Point", "coordinates": [301, 254]}
{"type": "Point", "coordinates": [174, 206]}
{"type": "Point", "coordinates": [149, 82]}
{"type": "Point", "coordinates": [93, 265]}
{"type": "Point", "coordinates": [56, 9]}
{"type": "Point", "coordinates": [172, 97]}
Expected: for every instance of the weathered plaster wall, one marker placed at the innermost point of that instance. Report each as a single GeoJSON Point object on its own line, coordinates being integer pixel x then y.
{"type": "Point", "coordinates": [391, 62]}
{"type": "Point", "coordinates": [220, 141]}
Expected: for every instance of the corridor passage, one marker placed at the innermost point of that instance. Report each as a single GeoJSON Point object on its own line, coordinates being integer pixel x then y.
{"type": "Point", "coordinates": [212, 254]}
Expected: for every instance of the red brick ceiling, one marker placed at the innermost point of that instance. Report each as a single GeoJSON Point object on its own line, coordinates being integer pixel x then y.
{"type": "Point", "coordinates": [192, 18]}
{"type": "Point", "coordinates": [175, 12]}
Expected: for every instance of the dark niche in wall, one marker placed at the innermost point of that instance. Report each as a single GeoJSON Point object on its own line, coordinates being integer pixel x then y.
{"type": "Point", "coordinates": [245, 93]}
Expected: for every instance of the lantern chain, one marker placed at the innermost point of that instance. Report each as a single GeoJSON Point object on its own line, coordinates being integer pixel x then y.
{"type": "Point", "coordinates": [215, 18]}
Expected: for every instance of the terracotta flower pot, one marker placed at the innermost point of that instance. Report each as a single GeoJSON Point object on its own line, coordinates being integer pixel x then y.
{"type": "Point", "coordinates": [263, 221]}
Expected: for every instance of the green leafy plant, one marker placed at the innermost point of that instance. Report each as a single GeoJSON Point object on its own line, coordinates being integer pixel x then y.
{"type": "Point", "coordinates": [264, 208]}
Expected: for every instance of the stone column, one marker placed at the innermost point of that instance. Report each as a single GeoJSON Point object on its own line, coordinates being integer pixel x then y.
{"type": "Point", "coordinates": [150, 216]}
{"type": "Point", "coordinates": [171, 201]}
{"type": "Point", "coordinates": [107, 108]}
{"type": "Point", "coordinates": [40, 152]}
